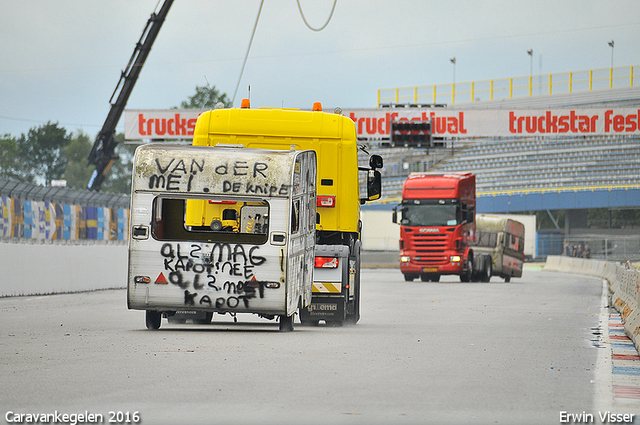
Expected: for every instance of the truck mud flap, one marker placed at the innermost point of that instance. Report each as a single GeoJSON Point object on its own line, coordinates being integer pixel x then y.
{"type": "Point", "coordinates": [329, 309]}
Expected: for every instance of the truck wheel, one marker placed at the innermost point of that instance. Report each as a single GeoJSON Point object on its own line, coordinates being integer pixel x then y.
{"type": "Point", "coordinates": [488, 269]}
{"type": "Point", "coordinates": [468, 274]}
{"type": "Point", "coordinates": [286, 323]}
{"type": "Point", "coordinates": [507, 279]}
{"type": "Point", "coordinates": [153, 319]}
{"type": "Point", "coordinates": [409, 277]}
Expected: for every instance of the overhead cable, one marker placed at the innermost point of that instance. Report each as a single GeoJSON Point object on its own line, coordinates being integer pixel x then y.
{"type": "Point", "coordinates": [326, 23]}
{"type": "Point", "coordinates": [247, 54]}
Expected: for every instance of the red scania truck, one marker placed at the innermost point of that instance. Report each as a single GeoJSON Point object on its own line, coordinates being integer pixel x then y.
{"type": "Point", "coordinates": [437, 228]}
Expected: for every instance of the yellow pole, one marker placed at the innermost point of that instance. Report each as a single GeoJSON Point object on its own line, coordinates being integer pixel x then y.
{"type": "Point", "coordinates": [434, 94]}
{"type": "Point", "coordinates": [453, 93]}
{"type": "Point", "coordinates": [550, 84]}
{"type": "Point", "coordinates": [570, 82]}
{"type": "Point", "coordinates": [530, 85]}
{"type": "Point", "coordinates": [472, 95]}
{"type": "Point", "coordinates": [415, 94]}
{"type": "Point", "coordinates": [590, 80]}
{"type": "Point", "coordinates": [631, 78]}
{"type": "Point", "coordinates": [510, 88]}
{"type": "Point", "coordinates": [378, 98]}
{"type": "Point", "coordinates": [397, 95]}
{"type": "Point", "coordinates": [491, 90]}
{"type": "Point", "coordinates": [610, 78]}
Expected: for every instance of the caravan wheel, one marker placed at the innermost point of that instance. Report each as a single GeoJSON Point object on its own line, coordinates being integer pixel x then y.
{"type": "Point", "coordinates": [153, 319]}
{"type": "Point", "coordinates": [286, 323]}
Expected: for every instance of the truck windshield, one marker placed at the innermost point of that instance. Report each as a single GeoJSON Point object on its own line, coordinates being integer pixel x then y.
{"type": "Point", "coordinates": [430, 215]}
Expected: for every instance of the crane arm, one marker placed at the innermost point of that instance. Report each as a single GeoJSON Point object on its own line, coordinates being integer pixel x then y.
{"type": "Point", "coordinates": [102, 153]}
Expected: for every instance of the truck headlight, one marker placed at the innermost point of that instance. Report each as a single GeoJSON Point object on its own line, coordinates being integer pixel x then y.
{"type": "Point", "coordinates": [456, 258]}
{"type": "Point", "coordinates": [405, 258]}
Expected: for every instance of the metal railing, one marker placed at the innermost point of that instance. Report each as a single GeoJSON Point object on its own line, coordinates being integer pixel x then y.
{"type": "Point", "coordinates": [515, 87]}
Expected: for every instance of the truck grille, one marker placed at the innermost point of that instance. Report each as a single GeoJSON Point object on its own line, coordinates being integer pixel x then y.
{"type": "Point", "coordinates": [430, 248]}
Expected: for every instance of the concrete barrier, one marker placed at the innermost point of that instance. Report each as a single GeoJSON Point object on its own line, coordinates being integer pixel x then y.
{"type": "Point", "coordinates": [624, 286]}
{"type": "Point", "coordinates": [35, 269]}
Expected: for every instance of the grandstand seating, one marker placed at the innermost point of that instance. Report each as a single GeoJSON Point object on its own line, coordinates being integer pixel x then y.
{"type": "Point", "coordinates": [525, 164]}
{"type": "Point", "coordinates": [543, 163]}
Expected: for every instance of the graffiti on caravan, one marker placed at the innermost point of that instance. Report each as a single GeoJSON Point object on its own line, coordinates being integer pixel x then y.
{"type": "Point", "coordinates": [238, 177]}
{"type": "Point", "coordinates": [175, 174]}
{"type": "Point", "coordinates": [219, 275]}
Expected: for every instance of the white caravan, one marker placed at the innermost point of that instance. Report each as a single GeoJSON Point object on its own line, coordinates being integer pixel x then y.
{"type": "Point", "coordinates": [222, 229]}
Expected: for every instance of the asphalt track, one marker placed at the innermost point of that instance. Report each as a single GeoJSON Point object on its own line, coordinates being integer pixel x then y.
{"type": "Point", "coordinates": [423, 353]}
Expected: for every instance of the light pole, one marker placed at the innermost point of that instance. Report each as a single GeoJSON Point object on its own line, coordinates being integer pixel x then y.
{"type": "Point", "coordinates": [530, 53]}
{"type": "Point", "coordinates": [453, 86]}
{"type": "Point", "coordinates": [611, 44]}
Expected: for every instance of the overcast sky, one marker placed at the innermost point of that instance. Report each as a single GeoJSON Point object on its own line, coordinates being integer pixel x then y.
{"type": "Point", "coordinates": [60, 60]}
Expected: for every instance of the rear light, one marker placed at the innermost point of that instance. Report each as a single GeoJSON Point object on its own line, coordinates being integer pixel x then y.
{"type": "Point", "coordinates": [326, 201]}
{"type": "Point", "coordinates": [142, 279]}
{"type": "Point", "coordinates": [222, 202]}
{"type": "Point", "coordinates": [326, 262]}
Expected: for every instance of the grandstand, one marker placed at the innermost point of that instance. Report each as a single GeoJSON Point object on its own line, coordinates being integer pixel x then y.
{"type": "Point", "coordinates": [528, 164]}
{"type": "Point", "coordinates": [519, 164]}
{"type": "Point", "coordinates": [547, 174]}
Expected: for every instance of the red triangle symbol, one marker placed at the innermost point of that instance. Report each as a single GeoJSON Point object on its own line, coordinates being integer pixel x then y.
{"type": "Point", "coordinates": [161, 279]}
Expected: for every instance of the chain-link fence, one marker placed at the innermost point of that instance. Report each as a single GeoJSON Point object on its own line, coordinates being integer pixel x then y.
{"type": "Point", "coordinates": [613, 247]}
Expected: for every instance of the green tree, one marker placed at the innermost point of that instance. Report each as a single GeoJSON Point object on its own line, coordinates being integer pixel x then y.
{"type": "Point", "coordinates": [41, 152]}
{"type": "Point", "coordinates": [205, 98]}
{"type": "Point", "coordinates": [10, 162]}
{"type": "Point", "coordinates": [77, 172]}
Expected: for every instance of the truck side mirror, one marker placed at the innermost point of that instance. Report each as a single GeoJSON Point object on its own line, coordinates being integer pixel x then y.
{"type": "Point", "coordinates": [394, 215]}
{"type": "Point", "coordinates": [467, 216]}
{"type": "Point", "coordinates": [374, 185]}
{"type": "Point", "coordinates": [375, 161]}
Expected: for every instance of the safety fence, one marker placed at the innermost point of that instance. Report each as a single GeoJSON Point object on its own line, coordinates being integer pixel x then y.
{"type": "Point", "coordinates": [37, 213]}
{"type": "Point", "coordinates": [624, 285]}
{"type": "Point", "coordinates": [509, 88]}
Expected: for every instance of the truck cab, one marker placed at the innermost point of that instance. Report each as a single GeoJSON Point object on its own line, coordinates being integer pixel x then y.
{"type": "Point", "coordinates": [437, 226]}
{"type": "Point", "coordinates": [332, 136]}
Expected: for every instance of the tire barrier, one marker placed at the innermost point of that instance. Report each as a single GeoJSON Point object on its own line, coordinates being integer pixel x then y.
{"type": "Point", "coordinates": [624, 285]}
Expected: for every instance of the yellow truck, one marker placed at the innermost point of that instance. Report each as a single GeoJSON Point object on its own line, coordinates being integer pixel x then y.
{"type": "Point", "coordinates": [336, 281]}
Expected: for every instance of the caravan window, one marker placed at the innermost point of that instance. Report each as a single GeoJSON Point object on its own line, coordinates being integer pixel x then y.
{"type": "Point", "coordinates": [486, 239]}
{"type": "Point", "coordinates": [210, 220]}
